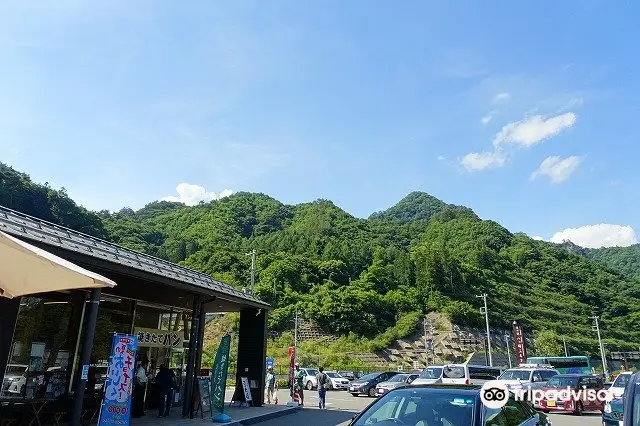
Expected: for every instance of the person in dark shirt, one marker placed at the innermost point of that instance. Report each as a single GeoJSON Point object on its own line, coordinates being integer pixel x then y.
{"type": "Point", "coordinates": [165, 384]}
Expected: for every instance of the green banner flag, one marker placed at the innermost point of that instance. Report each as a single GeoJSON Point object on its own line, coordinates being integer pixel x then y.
{"type": "Point", "coordinates": [219, 375]}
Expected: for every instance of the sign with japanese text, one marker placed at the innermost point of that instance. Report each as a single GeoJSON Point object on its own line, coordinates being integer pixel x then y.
{"type": "Point", "coordinates": [152, 338]}
{"type": "Point", "coordinates": [118, 386]}
{"type": "Point", "coordinates": [219, 374]}
{"type": "Point", "coordinates": [520, 348]}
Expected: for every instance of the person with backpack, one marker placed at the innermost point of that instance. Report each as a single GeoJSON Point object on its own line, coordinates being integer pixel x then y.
{"type": "Point", "coordinates": [323, 384]}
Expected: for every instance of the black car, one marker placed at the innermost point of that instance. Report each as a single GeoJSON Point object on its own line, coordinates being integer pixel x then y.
{"type": "Point", "coordinates": [451, 405]}
{"type": "Point", "coordinates": [631, 400]}
{"type": "Point", "coordinates": [366, 385]}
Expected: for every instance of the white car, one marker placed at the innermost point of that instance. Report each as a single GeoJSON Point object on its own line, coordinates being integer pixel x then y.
{"type": "Point", "coordinates": [15, 378]}
{"type": "Point", "coordinates": [337, 381]}
{"type": "Point", "coordinates": [309, 380]}
{"type": "Point", "coordinates": [429, 376]}
{"type": "Point", "coordinates": [617, 388]}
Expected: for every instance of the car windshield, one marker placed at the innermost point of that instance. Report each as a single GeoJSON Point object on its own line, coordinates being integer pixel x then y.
{"type": "Point", "coordinates": [621, 381]}
{"type": "Point", "coordinates": [515, 375]}
{"type": "Point", "coordinates": [562, 382]}
{"type": "Point", "coordinates": [334, 375]}
{"type": "Point", "coordinates": [312, 372]}
{"type": "Point", "coordinates": [420, 406]}
{"type": "Point", "coordinates": [398, 378]}
{"type": "Point", "coordinates": [368, 377]}
{"type": "Point", "coordinates": [431, 373]}
{"type": "Point", "coordinates": [453, 372]}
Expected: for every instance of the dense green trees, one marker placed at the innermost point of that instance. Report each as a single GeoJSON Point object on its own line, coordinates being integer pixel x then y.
{"type": "Point", "coordinates": [362, 276]}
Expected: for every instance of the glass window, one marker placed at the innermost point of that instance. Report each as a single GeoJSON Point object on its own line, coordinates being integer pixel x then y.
{"type": "Point", "coordinates": [38, 365]}
{"type": "Point", "coordinates": [563, 382]}
{"type": "Point", "coordinates": [515, 375]}
{"type": "Point", "coordinates": [547, 374]}
{"type": "Point", "coordinates": [454, 372]}
{"type": "Point", "coordinates": [512, 414]}
{"type": "Point", "coordinates": [431, 373]}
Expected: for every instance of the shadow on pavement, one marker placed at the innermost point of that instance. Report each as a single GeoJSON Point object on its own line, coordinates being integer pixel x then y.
{"type": "Point", "coordinates": [313, 416]}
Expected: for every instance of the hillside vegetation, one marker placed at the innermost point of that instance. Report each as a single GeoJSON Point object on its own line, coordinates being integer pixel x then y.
{"type": "Point", "coordinates": [360, 276]}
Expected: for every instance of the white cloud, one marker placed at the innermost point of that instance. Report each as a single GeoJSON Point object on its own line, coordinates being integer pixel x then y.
{"type": "Point", "coordinates": [441, 157]}
{"type": "Point", "coordinates": [502, 97]}
{"type": "Point", "coordinates": [486, 119]}
{"type": "Point", "coordinates": [476, 161]}
{"type": "Point", "coordinates": [533, 130]}
{"type": "Point", "coordinates": [557, 169]}
{"type": "Point", "coordinates": [537, 238]}
{"type": "Point", "coordinates": [192, 194]}
{"type": "Point", "coordinates": [596, 236]}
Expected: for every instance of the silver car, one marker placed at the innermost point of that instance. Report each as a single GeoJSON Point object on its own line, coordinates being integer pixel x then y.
{"type": "Point", "coordinates": [429, 376]}
{"type": "Point", "coordinates": [401, 379]}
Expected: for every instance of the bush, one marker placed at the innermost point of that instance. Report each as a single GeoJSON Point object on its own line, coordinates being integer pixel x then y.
{"type": "Point", "coordinates": [462, 313]}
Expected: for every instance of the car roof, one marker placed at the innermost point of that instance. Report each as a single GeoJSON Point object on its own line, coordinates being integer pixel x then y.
{"type": "Point", "coordinates": [444, 387]}
{"type": "Point", "coordinates": [573, 375]}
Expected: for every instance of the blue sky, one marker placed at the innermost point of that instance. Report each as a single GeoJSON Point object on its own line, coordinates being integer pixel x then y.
{"type": "Point", "coordinates": [524, 111]}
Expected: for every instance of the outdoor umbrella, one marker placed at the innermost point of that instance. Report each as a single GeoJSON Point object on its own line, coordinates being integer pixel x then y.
{"type": "Point", "coordinates": [27, 269]}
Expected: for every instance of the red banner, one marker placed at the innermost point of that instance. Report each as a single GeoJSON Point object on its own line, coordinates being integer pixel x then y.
{"type": "Point", "coordinates": [520, 346]}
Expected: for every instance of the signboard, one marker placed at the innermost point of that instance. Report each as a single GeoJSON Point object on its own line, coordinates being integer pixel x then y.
{"type": "Point", "coordinates": [204, 396]}
{"type": "Point", "coordinates": [246, 389]}
{"type": "Point", "coordinates": [85, 372]}
{"type": "Point", "coordinates": [152, 338]}
{"type": "Point", "coordinates": [520, 348]}
{"type": "Point", "coordinates": [624, 355]}
{"type": "Point", "coordinates": [116, 403]}
{"type": "Point", "coordinates": [219, 374]}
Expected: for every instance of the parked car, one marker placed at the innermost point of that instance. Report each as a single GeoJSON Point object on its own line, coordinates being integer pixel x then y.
{"type": "Point", "coordinates": [613, 413]}
{"type": "Point", "coordinates": [617, 388]}
{"type": "Point", "coordinates": [366, 385]}
{"type": "Point", "coordinates": [14, 378]}
{"type": "Point", "coordinates": [309, 380]}
{"type": "Point", "coordinates": [429, 376]}
{"type": "Point", "coordinates": [451, 405]}
{"type": "Point", "coordinates": [336, 381]}
{"type": "Point", "coordinates": [577, 382]}
{"type": "Point", "coordinates": [526, 378]}
{"type": "Point", "coordinates": [349, 375]}
{"type": "Point", "coordinates": [631, 400]}
{"type": "Point", "coordinates": [401, 379]}
{"type": "Point", "coordinates": [462, 374]}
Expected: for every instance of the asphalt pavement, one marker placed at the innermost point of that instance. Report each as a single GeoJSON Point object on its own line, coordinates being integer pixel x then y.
{"type": "Point", "coordinates": [341, 407]}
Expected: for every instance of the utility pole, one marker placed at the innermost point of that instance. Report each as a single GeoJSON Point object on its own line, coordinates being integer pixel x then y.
{"type": "Point", "coordinates": [596, 327]}
{"type": "Point", "coordinates": [506, 339]}
{"type": "Point", "coordinates": [295, 333]}
{"type": "Point", "coordinates": [486, 318]}
{"type": "Point", "coordinates": [252, 253]}
{"type": "Point", "coordinates": [564, 341]}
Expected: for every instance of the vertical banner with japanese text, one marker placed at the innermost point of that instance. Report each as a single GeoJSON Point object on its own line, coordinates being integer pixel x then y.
{"type": "Point", "coordinates": [519, 343]}
{"type": "Point", "coordinates": [219, 374]}
{"type": "Point", "coordinates": [292, 368]}
{"type": "Point", "coordinates": [118, 386]}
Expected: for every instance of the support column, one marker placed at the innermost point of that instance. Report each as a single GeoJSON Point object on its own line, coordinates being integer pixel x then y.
{"type": "Point", "coordinates": [198, 354]}
{"type": "Point", "coordinates": [189, 377]}
{"type": "Point", "coordinates": [252, 352]}
{"type": "Point", "coordinates": [8, 316]}
{"type": "Point", "coordinates": [87, 345]}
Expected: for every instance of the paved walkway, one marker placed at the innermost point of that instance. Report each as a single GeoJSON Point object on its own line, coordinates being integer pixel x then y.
{"type": "Point", "coordinates": [239, 416]}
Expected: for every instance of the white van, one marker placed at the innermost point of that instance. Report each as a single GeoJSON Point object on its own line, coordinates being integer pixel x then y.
{"type": "Point", "coordinates": [464, 374]}
{"type": "Point", "coordinates": [430, 375]}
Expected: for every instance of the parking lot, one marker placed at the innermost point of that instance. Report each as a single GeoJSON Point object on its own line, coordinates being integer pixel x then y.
{"type": "Point", "coordinates": [341, 407]}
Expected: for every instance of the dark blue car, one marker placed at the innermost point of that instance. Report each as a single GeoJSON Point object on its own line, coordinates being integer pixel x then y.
{"type": "Point", "coordinates": [613, 413]}
{"type": "Point", "coordinates": [454, 405]}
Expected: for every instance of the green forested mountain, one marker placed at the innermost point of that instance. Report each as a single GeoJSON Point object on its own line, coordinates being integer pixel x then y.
{"type": "Point", "coordinates": [362, 275]}
{"type": "Point", "coordinates": [621, 259]}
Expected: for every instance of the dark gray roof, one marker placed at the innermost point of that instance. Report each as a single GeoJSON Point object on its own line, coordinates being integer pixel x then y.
{"type": "Point", "coordinates": [37, 230]}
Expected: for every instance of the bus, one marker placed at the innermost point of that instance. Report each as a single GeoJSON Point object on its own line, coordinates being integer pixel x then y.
{"type": "Point", "coordinates": [564, 364]}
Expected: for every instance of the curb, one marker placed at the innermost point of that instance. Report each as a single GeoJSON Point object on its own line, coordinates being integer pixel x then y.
{"type": "Point", "coordinates": [263, 417]}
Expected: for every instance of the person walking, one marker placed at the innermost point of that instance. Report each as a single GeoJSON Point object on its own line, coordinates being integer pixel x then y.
{"type": "Point", "coordinates": [271, 386]}
{"type": "Point", "coordinates": [323, 384]}
{"type": "Point", "coordinates": [299, 383]}
{"type": "Point", "coordinates": [165, 384]}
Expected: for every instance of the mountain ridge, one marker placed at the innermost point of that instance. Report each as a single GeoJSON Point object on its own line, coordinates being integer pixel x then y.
{"type": "Point", "coordinates": [360, 276]}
